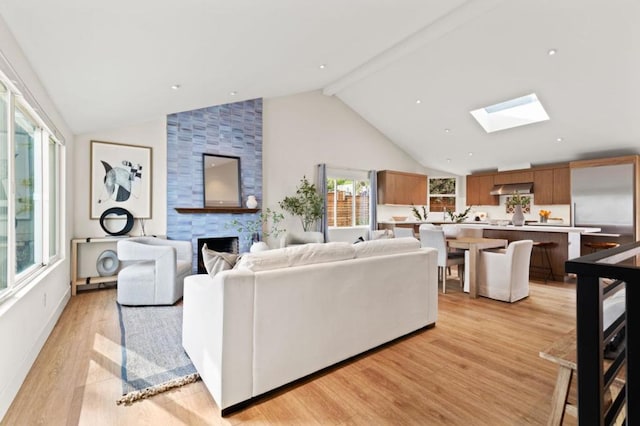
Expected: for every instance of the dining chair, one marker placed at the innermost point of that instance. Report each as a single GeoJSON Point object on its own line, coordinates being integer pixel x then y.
{"type": "Point", "coordinates": [504, 274]}
{"type": "Point", "coordinates": [401, 232]}
{"type": "Point", "coordinates": [435, 238]}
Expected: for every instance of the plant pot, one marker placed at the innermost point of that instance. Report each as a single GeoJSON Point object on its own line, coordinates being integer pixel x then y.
{"type": "Point", "coordinates": [518, 216]}
{"type": "Point", "coordinates": [258, 246]}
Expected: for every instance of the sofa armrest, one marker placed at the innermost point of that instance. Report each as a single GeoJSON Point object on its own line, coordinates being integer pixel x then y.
{"type": "Point", "coordinates": [218, 333]}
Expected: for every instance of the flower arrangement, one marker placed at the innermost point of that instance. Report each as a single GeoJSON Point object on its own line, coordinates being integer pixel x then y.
{"type": "Point", "coordinates": [544, 215]}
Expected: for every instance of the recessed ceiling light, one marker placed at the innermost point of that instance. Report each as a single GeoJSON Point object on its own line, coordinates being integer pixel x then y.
{"type": "Point", "coordinates": [448, 160]}
{"type": "Point", "coordinates": [175, 87]}
{"type": "Point", "coordinates": [322, 66]}
{"type": "Point", "coordinates": [233, 93]}
{"type": "Point", "coordinates": [470, 154]}
{"type": "Point", "coordinates": [559, 139]}
{"type": "Point", "coordinates": [447, 130]}
{"type": "Point", "coordinates": [418, 101]}
{"type": "Point", "coordinates": [552, 52]}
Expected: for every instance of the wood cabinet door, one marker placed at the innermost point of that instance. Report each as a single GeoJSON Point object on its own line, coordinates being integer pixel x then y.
{"type": "Point", "coordinates": [543, 186]}
{"type": "Point", "coordinates": [561, 186]}
{"type": "Point", "coordinates": [502, 178]}
{"type": "Point", "coordinates": [402, 188]}
{"type": "Point", "coordinates": [478, 188]}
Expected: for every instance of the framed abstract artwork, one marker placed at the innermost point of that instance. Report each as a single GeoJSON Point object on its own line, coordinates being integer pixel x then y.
{"type": "Point", "coordinates": [120, 177]}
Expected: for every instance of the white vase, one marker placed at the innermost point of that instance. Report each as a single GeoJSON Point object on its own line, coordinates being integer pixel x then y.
{"type": "Point", "coordinates": [258, 246]}
{"type": "Point", "coordinates": [518, 216]}
{"type": "Point", "coordinates": [252, 203]}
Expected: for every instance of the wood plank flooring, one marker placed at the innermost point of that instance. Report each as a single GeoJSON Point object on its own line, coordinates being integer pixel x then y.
{"type": "Point", "coordinates": [478, 366]}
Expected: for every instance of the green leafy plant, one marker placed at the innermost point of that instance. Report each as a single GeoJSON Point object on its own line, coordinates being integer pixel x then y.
{"type": "Point", "coordinates": [266, 223]}
{"type": "Point", "coordinates": [459, 217]}
{"type": "Point", "coordinates": [416, 213]}
{"type": "Point", "coordinates": [307, 204]}
{"type": "Point", "coordinates": [518, 200]}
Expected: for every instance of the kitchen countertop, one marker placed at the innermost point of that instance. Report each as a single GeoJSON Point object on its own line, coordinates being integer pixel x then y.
{"type": "Point", "coordinates": [536, 228]}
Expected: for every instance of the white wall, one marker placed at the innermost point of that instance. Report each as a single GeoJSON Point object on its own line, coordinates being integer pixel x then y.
{"type": "Point", "coordinates": [27, 318]}
{"type": "Point", "coordinates": [153, 134]}
{"type": "Point", "coordinates": [304, 130]}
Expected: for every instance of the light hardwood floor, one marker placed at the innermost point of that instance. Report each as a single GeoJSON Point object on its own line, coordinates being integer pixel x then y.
{"type": "Point", "coordinates": [478, 366]}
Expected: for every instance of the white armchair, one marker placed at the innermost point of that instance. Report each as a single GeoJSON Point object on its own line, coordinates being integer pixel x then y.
{"type": "Point", "coordinates": [504, 274]}
{"type": "Point", "coordinates": [294, 239]}
{"type": "Point", "coordinates": [154, 270]}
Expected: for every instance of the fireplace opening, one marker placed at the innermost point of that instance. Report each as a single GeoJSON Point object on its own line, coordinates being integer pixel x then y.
{"type": "Point", "coordinates": [222, 244]}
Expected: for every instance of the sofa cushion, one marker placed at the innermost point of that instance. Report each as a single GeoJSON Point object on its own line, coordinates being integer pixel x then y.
{"type": "Point", "coordinates": [388, 246]}
{"type": "Point", "coordinates": [309, 254]}
{"type": "Point", "coordinates": [215, 262]}
{"type": "Point", "coordinates": [264, 260]}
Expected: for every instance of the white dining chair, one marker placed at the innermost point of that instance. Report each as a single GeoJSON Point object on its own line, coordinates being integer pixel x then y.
{"type": "Point", "coordinates": [435, 238]}
{"type": "Point", "coordinates": [401, 232]}
{"type": "Point", "coordinates": [504, 274]}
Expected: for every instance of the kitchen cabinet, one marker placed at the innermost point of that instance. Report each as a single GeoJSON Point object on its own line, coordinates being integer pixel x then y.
{"type": "Point", "coordinates": [478, 188]}
{"type": "Point", "coordinates": [402, 188]}
{"type": "Point", "coordinates": [562, 185]}
{"type": "Point", "coordinates": [502, 178]}
{"type": "Point", "coordinates": [552, 186]}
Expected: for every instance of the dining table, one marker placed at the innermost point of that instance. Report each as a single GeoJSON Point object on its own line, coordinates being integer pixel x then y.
{"type": "Point", "coordinates": [474, 245]}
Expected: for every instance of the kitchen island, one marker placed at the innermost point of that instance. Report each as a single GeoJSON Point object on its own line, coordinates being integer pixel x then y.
{"type": "Point", "coordinates": [566, 240]}
{"type": "Point", "coordinates": [566, 243]}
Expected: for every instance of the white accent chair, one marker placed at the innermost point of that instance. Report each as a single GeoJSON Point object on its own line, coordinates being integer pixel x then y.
{"type": "Point", "coordinates": [401, 232]}
{"type": "Point", "coordinates": [434, 237]}
{"type": "Point", "coordinates": [296, 239]}
{"type": "Point", "coordinates": [504, 274]}
{"type": "Point", "coordinates": [154, 270]}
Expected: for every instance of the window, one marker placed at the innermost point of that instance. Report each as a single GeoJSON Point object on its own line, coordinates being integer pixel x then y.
{"type": "Point", "coordinates": [30, 183]}
{"type": "Point", "coordinates": [347, 199]}
{"type": "Point", "coordinates": [442, 194]}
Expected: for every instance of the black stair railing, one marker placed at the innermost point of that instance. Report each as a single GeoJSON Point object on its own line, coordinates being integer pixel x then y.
{"type": "Point", "coordinates": [599, 276]}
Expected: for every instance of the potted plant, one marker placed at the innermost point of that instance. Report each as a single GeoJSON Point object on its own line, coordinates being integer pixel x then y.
{"type": "Point", "coordinates": [459, 217]}
{"type": "Point", "coordinates": [518, 201]}
{"type": "Point", "coordinates": [307, 204]}
{"type": "Point", "coordinates": [267, 224]}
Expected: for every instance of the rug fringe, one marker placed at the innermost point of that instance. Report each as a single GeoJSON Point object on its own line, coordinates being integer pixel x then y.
{"type": "Point", "coordinates": [132, 397]}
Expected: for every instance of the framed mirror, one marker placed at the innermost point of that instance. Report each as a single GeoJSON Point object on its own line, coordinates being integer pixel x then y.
{"type": "Point", "coordinates": [221, 175]}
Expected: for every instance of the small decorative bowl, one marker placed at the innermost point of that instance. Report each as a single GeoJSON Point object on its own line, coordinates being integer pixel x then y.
{"type": "Point", "coordinates": [399, 218]}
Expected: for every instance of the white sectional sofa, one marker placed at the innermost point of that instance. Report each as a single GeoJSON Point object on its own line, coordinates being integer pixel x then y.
{"type": "Point", "coordinates": [283, 314]}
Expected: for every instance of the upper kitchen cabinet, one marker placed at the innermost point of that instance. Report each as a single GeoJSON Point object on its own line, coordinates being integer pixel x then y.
{"type": "Point", "coordinates": [504, 178]}
{"type": "Point", "coordinates": [552, 185]}
{"type": "Point", "coordinates": [402, 188]}
{"type": "Point", "coordinates": [478, 189]}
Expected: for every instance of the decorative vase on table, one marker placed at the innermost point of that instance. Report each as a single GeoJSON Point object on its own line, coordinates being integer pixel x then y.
{"type": "Point", "coordinates": [518, 216]}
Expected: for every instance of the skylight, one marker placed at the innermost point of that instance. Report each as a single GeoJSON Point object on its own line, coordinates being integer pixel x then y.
{"type": "Point", "coordinates": [512, 113]}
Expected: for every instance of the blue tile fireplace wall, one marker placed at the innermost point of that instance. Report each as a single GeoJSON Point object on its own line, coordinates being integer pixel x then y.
{"type": "Point", "coordinates": [232, 129]}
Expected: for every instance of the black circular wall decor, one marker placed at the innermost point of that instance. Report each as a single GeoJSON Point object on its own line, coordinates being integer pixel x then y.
{"type": "Point", "coordinates": [118, 211]}
{"type": "Point", "coordinates": [107, 263]}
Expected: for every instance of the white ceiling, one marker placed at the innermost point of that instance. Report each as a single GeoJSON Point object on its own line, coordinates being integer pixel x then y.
{"type": "Point", "coordinates": [110, 64]}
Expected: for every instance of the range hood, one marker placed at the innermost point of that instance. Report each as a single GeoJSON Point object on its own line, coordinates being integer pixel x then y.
{"type": "Point", "coordinates": [512, 188]}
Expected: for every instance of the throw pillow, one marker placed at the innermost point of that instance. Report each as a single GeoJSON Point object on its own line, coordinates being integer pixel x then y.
{"type": "Point", "coordinates": [215, 261]}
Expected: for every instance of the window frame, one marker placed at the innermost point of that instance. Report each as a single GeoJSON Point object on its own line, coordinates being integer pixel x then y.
{"type": "Point", "coordinates": [354, 177]}
{"type": "Point", "coordinates": [43, 206]}
{"type": "Point", "coordinates": [454, 195]}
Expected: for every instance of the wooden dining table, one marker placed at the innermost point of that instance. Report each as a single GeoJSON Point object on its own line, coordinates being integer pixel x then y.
{"type": "Point", "coordinates": [474, 245]}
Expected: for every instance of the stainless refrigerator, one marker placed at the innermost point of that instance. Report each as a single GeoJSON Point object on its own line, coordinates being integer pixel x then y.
{"type": "Point", "coordinates": [603, 197]}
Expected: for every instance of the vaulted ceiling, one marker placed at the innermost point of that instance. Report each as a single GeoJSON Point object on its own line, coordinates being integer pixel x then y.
{"type": "Point", "coordinates": [110, 64]}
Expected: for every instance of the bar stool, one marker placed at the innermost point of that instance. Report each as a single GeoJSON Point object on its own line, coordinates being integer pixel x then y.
{"type": "Point", "coordinates": [544, 265]}
{"type": "Point", "coordinates": [601, 245]}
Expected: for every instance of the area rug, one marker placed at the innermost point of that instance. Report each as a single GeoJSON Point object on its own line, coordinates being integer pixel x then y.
{"type": "Point", "coordinates": [153, 360]}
